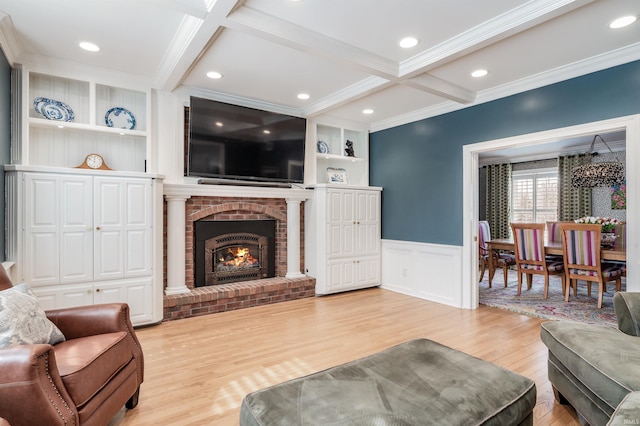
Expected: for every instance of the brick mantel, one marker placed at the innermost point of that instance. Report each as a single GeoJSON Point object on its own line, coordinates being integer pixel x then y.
{"type": "Point", "coordinates": [177, 196]}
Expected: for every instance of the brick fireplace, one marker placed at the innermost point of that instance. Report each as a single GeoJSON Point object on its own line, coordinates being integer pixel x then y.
{"type": "Point", "coordinates": [187, 205]}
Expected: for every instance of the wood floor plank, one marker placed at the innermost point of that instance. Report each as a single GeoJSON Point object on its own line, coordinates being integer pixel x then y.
{"type": "Point", "coordinates": [197, 370]}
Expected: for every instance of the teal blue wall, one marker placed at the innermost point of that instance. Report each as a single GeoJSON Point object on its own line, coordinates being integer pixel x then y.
{"type": "Point", "coordinates": [5, 135]}
{"type": "Point", "coordinates": [419, 164]}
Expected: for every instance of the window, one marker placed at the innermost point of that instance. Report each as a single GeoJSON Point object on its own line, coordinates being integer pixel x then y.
{"type": "Point", "coordinates": [534, 196]}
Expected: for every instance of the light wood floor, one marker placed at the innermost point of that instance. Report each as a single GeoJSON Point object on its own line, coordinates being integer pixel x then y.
{"type": "Point", "coordinates": [197, 370]}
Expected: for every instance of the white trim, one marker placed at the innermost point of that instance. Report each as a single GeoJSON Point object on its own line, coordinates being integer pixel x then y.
{"type": "Point", "coordinates": [424, 270]}
{"type": "Point", "coordinates": [631, 124]}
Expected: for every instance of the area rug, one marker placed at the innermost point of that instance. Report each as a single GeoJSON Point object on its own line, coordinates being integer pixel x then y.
{"type": "Point", "coordinates": [580, 308]}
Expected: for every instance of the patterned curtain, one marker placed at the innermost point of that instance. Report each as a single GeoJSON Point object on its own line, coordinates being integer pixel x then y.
{"type": "Point", "coordinates": [498, 199]}
{"type": "Point", "coordinates": [573, 203]}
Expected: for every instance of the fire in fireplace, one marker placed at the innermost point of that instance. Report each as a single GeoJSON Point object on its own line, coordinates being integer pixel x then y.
{"type": "Point", "coordinates": [231, 251]}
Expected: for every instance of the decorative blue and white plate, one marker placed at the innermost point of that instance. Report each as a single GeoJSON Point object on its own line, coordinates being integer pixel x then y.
{"type": "Point", "coordinates": [120, 118]}
{"type": "Point", "coordinates": [52, 109]}
{"type": "Point", "coordinates": [323, 148]}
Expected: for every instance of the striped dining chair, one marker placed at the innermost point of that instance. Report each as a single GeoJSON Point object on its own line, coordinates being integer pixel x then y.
{"type": "Point", "coordinates": [528, 239]}
{"type": "Point", "coordinates": [554, 232]}
{"type": "Point", "coordinates": [554, 236]}
{"type": "Point", "coordinates": [502, 260]}
{"type": "Point", "coordinates": [581, 250]}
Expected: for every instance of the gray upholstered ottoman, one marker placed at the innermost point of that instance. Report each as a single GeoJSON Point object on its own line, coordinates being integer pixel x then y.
{"type": "Point", "coordinates": [419, 382]}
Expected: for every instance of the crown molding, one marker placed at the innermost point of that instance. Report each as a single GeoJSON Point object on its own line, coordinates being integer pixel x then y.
{"type": "Point", "coordinates": [238, 100]}
{"type": "Point", "coordinates": [70, 69]}
{"type": "Point", "coordinates": [8, 40]}
{"type": "Point", "coordinates": [567, 72]}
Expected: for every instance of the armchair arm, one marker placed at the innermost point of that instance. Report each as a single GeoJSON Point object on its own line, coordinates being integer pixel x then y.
{"type": "Point", "coordinates": [83, 321]}
{"type": "Point", "coordinates": [90, 320]}
{"type": "Point", "coordinates": [627, 307]}
{"type": "Point", "coordinates": [31, 390]}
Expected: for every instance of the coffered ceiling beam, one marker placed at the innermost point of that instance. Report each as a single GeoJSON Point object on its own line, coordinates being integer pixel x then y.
{"type": "Point", "coordinates": [259, 24]}
{"type": "Point", "coordinates": [193, 37]}
{"type": "Point", "coordinates": [512, 22]}
{"type": "Point", "coordinates": [442, 88]}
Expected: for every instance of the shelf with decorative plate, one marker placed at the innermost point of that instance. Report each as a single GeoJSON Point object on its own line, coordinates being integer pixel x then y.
{"type": "Point", "coordinates": [64, 117]}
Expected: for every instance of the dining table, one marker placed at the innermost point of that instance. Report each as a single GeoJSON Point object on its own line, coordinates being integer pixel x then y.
{"type": "Point", "coordinates": [616, 252]}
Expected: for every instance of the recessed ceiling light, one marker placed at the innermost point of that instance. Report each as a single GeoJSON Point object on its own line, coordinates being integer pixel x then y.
{"type": "Point", "coordinates": [214, 74]}
{"type": "Point", "coordinates": [622, 22]}
{"type": "Point", "coordinates": [479, 73]}
{"type": "Point", "coordinates": [91, 47]}
{"type": "Point", "coordinates": [266, 132]}
{"type": "Point", "coordinates": [367, 111]}
{"type": "Point", "coordinates": [219, 124]}
{"type": "Point", "coordinates": [303, 96]}
{"type": "Point", "coordinates": [408, 42]}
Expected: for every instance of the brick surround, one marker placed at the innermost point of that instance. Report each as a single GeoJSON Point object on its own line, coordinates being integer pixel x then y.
{"type": "Point", "coordinates": [219, 298]}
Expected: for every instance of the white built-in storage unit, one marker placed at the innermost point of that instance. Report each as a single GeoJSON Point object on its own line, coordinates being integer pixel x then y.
{"type": "Point", "coordinates": [80, 236]}
{"type": "Point", "coordinates": [344, 223]}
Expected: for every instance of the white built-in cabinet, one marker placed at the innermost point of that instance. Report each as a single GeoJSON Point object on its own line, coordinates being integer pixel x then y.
{"type": "Point", "coordinates": [344, 224]}
{"type": "Point", "coordinates": [80, 236]}
{"type": "Point", "coordinates": [82, 239]}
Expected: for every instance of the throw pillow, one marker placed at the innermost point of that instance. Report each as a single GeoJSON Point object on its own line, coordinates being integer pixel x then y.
{"type": "Point", "coordinates": [23, 321]}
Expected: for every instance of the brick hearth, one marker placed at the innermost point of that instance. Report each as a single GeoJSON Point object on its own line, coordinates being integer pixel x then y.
{"type": "Point", "coordinates": [228, 297]}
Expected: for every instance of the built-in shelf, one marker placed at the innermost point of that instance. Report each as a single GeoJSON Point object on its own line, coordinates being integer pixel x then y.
{"type": "Point", "coordinates": [49, 142]}
{"type": "Point", "coordinates": [334, 136]}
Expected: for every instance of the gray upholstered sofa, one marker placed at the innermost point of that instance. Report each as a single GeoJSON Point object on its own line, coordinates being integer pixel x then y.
{"type": "Point", "coordinates": [594, 368]}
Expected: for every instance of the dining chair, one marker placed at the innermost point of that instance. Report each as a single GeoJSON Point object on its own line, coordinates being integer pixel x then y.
{"type": "Point", "coordinates": [581, 250]}
{"type": "Point", "coordinates": [621, 232]}
{"type": "Point", "coordinates": [502, 260]}
{"type": "Point", "coordinates": [528, 239]}
{"type": "Point", "coordinates": [554, 232]}
{"type": "Point", "coordinates": [554, 236]}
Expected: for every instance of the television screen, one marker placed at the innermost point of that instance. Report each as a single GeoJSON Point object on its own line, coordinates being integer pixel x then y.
{"type": "Point", "coordinates": [235, 142]}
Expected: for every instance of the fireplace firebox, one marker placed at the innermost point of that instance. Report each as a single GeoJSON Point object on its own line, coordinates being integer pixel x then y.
{"type": "Point", "coordinates": [229, 251]}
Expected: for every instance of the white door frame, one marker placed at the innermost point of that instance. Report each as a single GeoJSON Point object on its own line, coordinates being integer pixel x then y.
{"type": "Point", "coordinates": [631, 124]}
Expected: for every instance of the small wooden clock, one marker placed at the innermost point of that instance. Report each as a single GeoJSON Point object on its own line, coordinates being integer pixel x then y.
{"type": "Point", "coordinates": [94, 162]}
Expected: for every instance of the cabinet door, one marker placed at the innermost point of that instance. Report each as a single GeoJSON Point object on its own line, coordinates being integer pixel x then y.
{"type": "Point", "coordinates": [42, 233]}
{"type": "Point", "coordinates": [64, 296]}
{"type": "Point", "coordinates": [138, 230]}
{"type": "Point", "coordinates": [368, 271]}
{"type": "Point", "coordinates": [109, 228]}
{"type": "Point", "coordinates": [341, 275]}
{"type": "Point", "coordinates": [367, 222]}
{"type": "Point", "coordinates": [76, 229]}
{"type": "Point", "coordinates": [137, 293]}
{"type": "Point", "coordinates": [340, 224]}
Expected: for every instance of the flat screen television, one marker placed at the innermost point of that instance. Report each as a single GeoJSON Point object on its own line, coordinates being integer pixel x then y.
{"type": "Point", "coordinates": [233, 142]}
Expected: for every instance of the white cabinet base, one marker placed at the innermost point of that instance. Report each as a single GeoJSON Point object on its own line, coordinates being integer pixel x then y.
{"type": "Point", "coordinates": [342, 231]}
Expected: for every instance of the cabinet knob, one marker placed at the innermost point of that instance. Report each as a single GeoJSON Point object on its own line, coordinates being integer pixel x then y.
{"type": "Point", "coordinates": [97, 228]}
{"type": "Point", "coordinates": [97, 290]}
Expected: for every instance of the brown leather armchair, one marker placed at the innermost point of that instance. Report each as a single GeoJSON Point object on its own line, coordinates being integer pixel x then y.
{"type": "Point", "coordinates": [83, 381]}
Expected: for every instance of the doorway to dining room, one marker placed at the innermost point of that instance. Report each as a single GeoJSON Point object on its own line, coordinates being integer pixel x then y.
{"type": "Point", "coordinates": [550, 141]}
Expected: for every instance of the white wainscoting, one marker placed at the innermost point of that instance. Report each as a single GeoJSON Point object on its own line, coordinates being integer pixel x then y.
{"type": "Point", "coordinates": [428, 271]}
